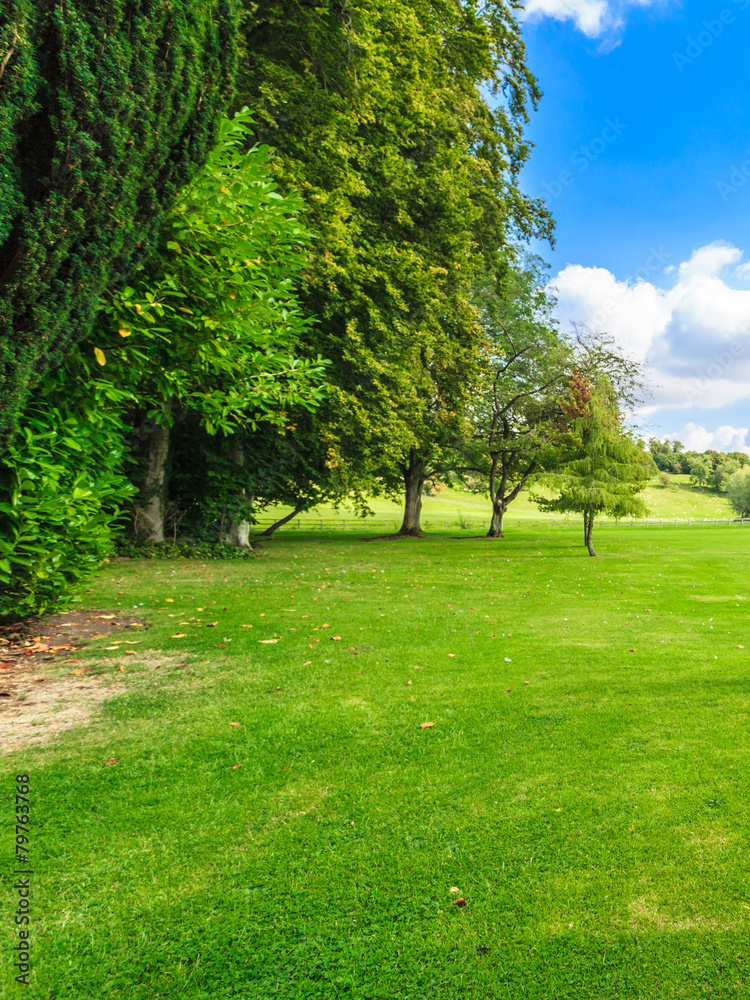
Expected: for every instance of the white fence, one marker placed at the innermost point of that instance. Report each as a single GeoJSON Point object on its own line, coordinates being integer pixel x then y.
{"type": "Point", "coordinates": [475, 524]}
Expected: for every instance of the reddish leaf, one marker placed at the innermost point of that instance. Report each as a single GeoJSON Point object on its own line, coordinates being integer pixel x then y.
{"type": "Point", "coordinates": [459, 902]}
{"type": "Point", "coordinates": [426, 725]}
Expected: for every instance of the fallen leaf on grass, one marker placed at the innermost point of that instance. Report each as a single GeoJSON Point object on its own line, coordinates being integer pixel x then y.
{"type": "Point", "coordinates": [740, 647]}
{"type": "Point", "coordinates": [451, 654]}
{"type": "Point", "coordinates": [422, 668]}
{"type": "Point", "coordinates": [632, 650]}
{"type": "Point", "coordinates": [169, 600]}
{"type": "Point", "coordinates": [5, 694]}
{"type": "Point", "coordinates": [273, 689]}
{"type": "Point", "coordinates": [306, 663]}
{"type": "Point", "coordinates": [235, 766]}
{"type": "Point", "coordinates": [234, 724]}
{"type": "Point", "coordinates": [459, 902]}
{"type": "Point", "coordinates": [268, 640]}
{"type": "Point", "coordinates": [507, 691]}
{"type": "Point", "coordinates": [454, 888]}
{"type": "Point", "coordinates": [112, 760]}
{"type": "Point", "coordinates": [8, 663]}
{"type": "Point", "coordinates": [212, 625]}
{"type": "Point", "coordinates": [78, 672]}
{"type": "Point", "coordinates": [335, 638]}
{"type": "Point", "coordinates": [179, 635]}
{"type": "Point", "coordinates": [122, 670]}
{"type": "Point", "coordinates": [246, 626]}
{"type": "Point", "coordinates": [426, 725]}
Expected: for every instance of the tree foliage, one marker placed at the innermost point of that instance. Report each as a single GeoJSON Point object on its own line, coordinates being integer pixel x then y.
{"type": "Point", "coordinates": [62, 491]}
{"type": "Point", "coordinates": [515, 400]}
{"type": "Point", "coordinates": [738, 491]}
{"type": "Point", "coordinates": [211, 320]}
{"type": "Point", "coordinates": [601, 467]}
{"type": "Point", "coordinates": [106, 111]}
{"type": "Point", "coordinates": [380, 116]}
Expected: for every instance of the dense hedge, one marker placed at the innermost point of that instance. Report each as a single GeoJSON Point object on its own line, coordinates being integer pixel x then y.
{"type": "Point", "coordinates": [107, 107]}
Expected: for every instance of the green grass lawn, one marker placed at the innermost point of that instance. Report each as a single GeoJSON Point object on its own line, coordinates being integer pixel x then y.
{"type": "Point", "coordinates": [584, 786]}
{"type": "Point", "coordinates": [680, 500]}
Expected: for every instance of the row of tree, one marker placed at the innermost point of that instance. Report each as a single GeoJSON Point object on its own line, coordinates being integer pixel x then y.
{"type": "Point", "coordinates": [322, 295]}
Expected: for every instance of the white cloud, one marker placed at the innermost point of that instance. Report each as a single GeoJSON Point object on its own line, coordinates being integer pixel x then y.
{"type": "Point", "coordinates": [697, 438]}
{"type": "Point", "coordinates": [694, 335]}
{"type": "Point", "coordinates": [593, 18]}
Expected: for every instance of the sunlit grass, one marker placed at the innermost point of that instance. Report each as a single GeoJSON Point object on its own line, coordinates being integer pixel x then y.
{"type": "Point", "coordinates": [583, 787]}
{"type": "Point", "coordinates": [444, 508]}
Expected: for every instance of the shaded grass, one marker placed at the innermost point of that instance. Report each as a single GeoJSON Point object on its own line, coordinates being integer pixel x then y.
{"type": "Point", "coordinates": [595, 819]}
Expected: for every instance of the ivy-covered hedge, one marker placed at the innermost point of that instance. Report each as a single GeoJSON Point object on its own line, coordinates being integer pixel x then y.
{"type": "Point", "coordinates": [107, 107]}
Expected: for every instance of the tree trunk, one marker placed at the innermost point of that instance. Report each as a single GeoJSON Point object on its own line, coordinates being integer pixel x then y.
{"type": "Point", "coordinates": [155, 448]}
{"type": "Point", "coordinates": [588, 528]}
{"type": "Point", "coordinates": [414, 477]}
{"type": "Point", "coordinates": [238, 530]}
{"type": "Point", "coordinates": [277, 524]}
{"type": "Point", "coordinates": [496, 524]}
{"type": "Point", "coordinates": [238, 534]}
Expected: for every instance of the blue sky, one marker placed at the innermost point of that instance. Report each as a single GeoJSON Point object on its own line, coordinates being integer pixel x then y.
{"type": "Point", "coordinates": [640, 143]}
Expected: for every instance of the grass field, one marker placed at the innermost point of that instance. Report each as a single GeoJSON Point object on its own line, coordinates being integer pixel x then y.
{"type": "Point", "coordinates": [680, 500]}
{"type": "Point", "coordinates": [584, 785]}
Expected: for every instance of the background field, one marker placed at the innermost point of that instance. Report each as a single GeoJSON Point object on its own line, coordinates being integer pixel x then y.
{"type": "Point", "coordinates": [681, 500]}
{"type": "Point", "coordinates": [584, 785]}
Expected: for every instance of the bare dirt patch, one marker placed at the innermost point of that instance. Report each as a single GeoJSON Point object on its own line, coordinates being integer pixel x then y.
{"type": "Point", "coordinates": [43, 688]}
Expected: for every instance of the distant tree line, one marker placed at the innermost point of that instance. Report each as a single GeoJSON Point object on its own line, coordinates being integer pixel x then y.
{"type": "Point", "coordinates": [705, 468]}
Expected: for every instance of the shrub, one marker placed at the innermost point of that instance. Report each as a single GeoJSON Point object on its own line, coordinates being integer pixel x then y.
{"type": "Point", "coordinates": [61, 492]}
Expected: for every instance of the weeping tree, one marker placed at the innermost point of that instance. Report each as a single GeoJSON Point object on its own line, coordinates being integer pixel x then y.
{"type": "Point", "coordinates": [600, 467]}
{"type": "Point", "coordinates": [106, 111]}
{"type": "Point", "coordinates": [401, 125]}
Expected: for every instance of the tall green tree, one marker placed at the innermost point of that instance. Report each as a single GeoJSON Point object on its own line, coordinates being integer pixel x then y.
{"type": "Point", "coordinates": [106, 111]}
{"type": "Point", "coordinates": [381, 117]}
{"type": "Point", "coordinates": [211, 321]}
{"type": "Point", "coordinates": [514, 404]}
{"type": "Point", "coordinates": [601, 468]}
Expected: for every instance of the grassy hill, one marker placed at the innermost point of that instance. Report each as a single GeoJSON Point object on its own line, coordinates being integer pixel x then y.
{"type": "Point", "coordinates": [449, 507]}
